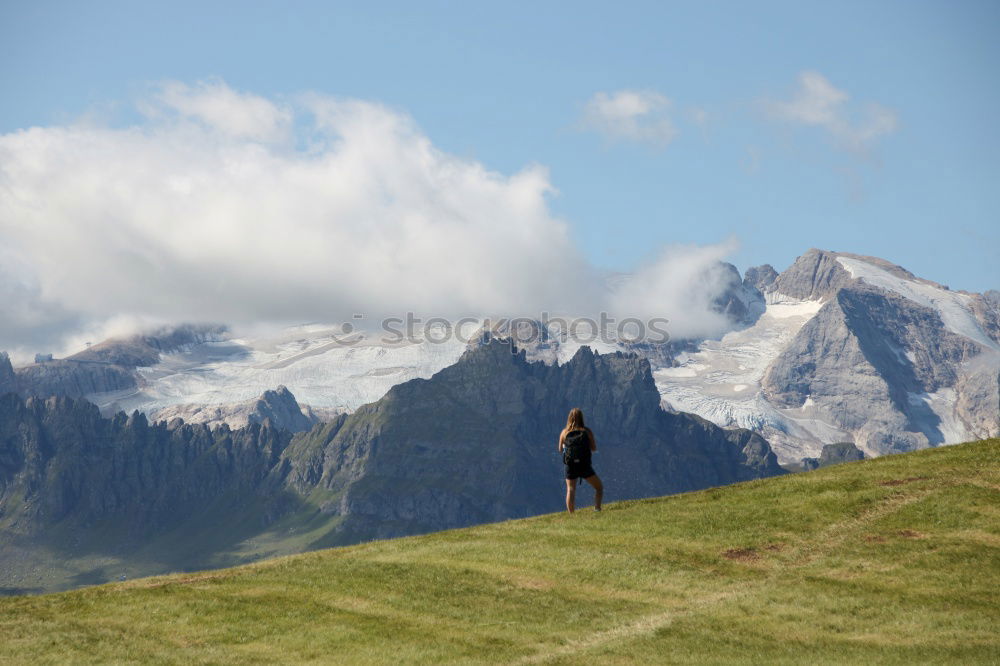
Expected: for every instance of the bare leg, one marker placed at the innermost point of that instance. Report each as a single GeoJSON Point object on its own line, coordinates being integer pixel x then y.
{"type": "Point", "coordinates": [598, 490]}
{"type": "Point", "coordinates": [570, 495]}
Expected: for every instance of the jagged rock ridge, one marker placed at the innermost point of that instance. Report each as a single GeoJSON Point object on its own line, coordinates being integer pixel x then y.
{"type": "Point", "coordinates": [510, 410]}
{"type": "Point", "coordinates": [474, 443]}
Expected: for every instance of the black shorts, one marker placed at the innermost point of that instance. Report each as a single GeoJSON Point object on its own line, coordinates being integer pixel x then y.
{"type": "Point", "coordinates": [579, 471]}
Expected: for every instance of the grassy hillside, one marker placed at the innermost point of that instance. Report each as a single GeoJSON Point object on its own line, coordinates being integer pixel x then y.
{"type": "Point", "coordinates": [894, 560]}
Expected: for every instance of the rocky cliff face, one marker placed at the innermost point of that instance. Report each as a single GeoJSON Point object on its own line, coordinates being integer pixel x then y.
{"type": "Point", "coordinates": [862, 359]}
{"type": "Point", "coordinates": [61, 463]}
{"type": "Point", "coordinates": [879, 360]}
{"type": "Point", "coordinates": [277, 407]}
{"type": "Point", "coordinates": [977, 396]}
{"type": "Point", "coordinates": [834, 454]}
{"type": "Point", "coordinates": [741, 301]}
{"type": "Point", "coordinates": [815, 275]}
{"type": "Point", "coordinates": [986, 307]}
{"type": "Point", "coordinates": [70, 377]}
{"type": "Point", "coordinates": [8, 379]}
{"type": "Point", "coordinates": [475, 443]}
{"type": "Point", "coordinates": [760, 277]}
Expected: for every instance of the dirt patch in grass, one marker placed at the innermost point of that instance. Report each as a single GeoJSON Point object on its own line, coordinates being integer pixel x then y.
{"type": "Point", "coordinates": [906, 534]}
{"type": "Point", "coordinates": [900, 482]}
{"type": "Point", "coordinates": [741, 554]}
{"type": "Point", "coordinates": [775, 547]}
{"type": "Point", "coordinates": [910, 534]}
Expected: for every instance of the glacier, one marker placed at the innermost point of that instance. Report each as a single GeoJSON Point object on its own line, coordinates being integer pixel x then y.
{"type": "Point", "coordinates": [324, 369]}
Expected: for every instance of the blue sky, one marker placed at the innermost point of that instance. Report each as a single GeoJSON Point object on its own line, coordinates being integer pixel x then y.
{"type": "Point", "coordinates": [508, 84]}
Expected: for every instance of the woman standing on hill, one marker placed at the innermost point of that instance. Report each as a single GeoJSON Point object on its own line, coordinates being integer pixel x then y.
{"type": "Point", "coordinates": [576, 442]}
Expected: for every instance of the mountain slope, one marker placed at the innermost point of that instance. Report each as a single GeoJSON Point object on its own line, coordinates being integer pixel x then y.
{"type": "Point", "coordinates": [110, 366]}
{"type": "Point", "coordinates": [849, 348]}
{"type": "Point", "coordinates": [892, 560]}
{"type": "Point", "coordinates": [84, 499]}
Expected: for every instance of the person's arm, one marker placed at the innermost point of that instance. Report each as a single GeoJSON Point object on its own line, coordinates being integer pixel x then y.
{"type": "Point", "coordinates": [593, 441]}
{"type": "Point", "coordinates": [559, 446]}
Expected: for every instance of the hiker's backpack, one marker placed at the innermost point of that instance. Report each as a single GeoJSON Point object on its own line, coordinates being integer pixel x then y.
{"type": "Point", "coordinates": [576, 448]}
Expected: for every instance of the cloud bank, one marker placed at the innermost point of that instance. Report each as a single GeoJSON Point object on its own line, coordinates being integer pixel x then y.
{"type": "Point", "coordinates": [228, 207]}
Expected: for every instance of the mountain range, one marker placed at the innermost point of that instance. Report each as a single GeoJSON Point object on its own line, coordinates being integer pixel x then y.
{"type": "Point", "coordinates": [188, 447]}
{"type": "Point", "coordinates": [836, 348]}
{"type": "Point", "coordinates": [85, 498]}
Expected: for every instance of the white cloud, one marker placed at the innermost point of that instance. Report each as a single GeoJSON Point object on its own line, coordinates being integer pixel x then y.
{"type": "Point", "coordinates": [631, 115]}
{"type": "Point", "coordinates": [818, 103]}
{"type": "Point", "coordinates": [679, 284]}
{"type": "Point", "coordinates": [228, 207]}
{"type": "Point", "coordinates": [223, 109]}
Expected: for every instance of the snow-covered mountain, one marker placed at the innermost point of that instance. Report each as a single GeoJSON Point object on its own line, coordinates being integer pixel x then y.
{"type": "Point", "coordinates": [721, 380]}
{"type": "Point", "coordinates": [328, 373]}
{"type": "Point", "coordinates": [837, 348]}
{"type": "Point", "coordinates": [850, 348]}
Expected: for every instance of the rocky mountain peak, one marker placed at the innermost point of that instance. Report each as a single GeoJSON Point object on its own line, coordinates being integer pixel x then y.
{"type": "Point", "coordinates": [760, 277]}
{"type": "Point", "coordinates": [742, 303]}
{"type": "Point", "coordinates": [8, 379]}
{"type": "Point", "coordinates": [280, 408]}
{"type": "Point", "coordinates": [816, 275]}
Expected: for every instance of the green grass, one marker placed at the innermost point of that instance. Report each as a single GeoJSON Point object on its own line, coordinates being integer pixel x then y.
{"type": "Point", "coordinates": [894, 560]}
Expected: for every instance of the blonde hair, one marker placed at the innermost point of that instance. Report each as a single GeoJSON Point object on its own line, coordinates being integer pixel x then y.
{"type": "Point", "coordinates": [574, 421]}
